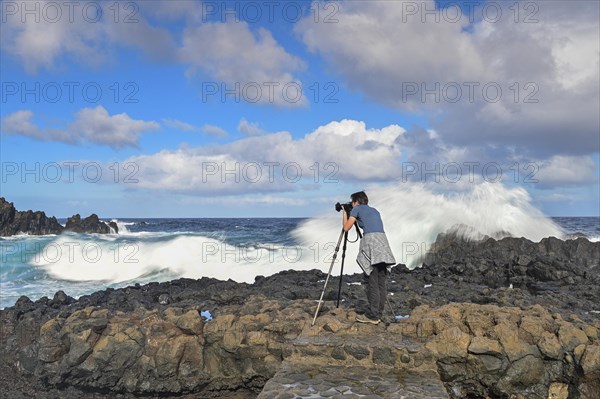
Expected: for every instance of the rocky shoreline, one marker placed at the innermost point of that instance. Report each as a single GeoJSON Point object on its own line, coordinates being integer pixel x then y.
{"type": "Point", "coordinates": [13, 222]}
{"type": "Point", "coordinates": [490, 319]}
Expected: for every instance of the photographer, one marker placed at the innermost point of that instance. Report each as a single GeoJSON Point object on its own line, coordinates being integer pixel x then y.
{"type": "Point", "coordinates": [374, 257]}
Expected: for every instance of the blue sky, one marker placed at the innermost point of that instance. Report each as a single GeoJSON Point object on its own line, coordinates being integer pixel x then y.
{"type": "Point", "coordinates": [201, 109]}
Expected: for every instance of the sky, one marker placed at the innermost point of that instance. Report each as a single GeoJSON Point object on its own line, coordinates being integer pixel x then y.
{"type": "Point", "coordinates": [282, 108]}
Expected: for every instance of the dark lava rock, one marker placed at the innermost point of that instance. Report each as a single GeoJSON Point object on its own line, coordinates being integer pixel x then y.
{"type": "Point", "coordinates": [37, 223]}
{"type": "Point", "coordinates": [90, 224]}
{"type": "Point", "coordinates": [16, 222]}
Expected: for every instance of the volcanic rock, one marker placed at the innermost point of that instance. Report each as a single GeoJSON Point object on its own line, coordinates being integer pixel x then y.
{"type": "Point", "coordinates": [37, 223]}
{"type": "Point", "coordinates": [90, 224]}
{"type": "Point", "coordinates": [25, 222]}
{"type": "Point", "coordinates": [171, 350]}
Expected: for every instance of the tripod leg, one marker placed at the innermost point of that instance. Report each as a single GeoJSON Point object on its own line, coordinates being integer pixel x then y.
{"type": "Point", "coordinates": [342, 270]}
{"type": "Point", "coordinates": [343, 258]}
{"type": "Point", "coordinates": [391, 308]}
{"type": "Point", "coordinates": [337, 248]}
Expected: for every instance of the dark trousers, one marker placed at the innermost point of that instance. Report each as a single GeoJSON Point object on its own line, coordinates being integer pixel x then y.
{"type": "Point", "coordinates": [376, 291]}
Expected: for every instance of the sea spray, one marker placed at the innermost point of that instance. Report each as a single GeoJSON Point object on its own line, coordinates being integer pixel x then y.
{"type": "Point", "coordinates": [414, 215]}
{"type": "Point", "coordinates": [123, 226]}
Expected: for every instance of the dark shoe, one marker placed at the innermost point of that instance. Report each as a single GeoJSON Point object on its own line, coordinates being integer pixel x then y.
{"type": "Point", "coordinates": [365, 319]}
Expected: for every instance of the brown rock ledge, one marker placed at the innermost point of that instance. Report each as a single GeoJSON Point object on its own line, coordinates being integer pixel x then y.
{"type": "Point", "coordinates": [477, 351]}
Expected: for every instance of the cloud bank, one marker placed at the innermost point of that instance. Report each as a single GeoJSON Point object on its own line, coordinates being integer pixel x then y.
{"type": "Point", "coordinates": [483, 80]}
{"type": "Point", "coordinates": [91, 125]}
{"type": "Point", "coordinates": [276, 162]}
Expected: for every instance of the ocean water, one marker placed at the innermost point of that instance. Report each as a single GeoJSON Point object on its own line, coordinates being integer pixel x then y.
{"type": "Point", "coordinates": [148, 250]}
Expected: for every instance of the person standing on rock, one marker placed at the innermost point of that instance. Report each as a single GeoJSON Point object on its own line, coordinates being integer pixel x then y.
{"type": "Point", "coordinates": [374, 256]}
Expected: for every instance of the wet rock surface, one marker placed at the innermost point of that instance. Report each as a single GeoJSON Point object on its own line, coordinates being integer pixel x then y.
{"type": "Point", "coordinates": [466, 330]}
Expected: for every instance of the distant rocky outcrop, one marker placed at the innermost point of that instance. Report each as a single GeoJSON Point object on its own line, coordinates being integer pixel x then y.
{"type": "Point", "coordinates": [90, 224]}
{"type": "Point", "coordinates": [18, 222]}
{"type": "Point", "coordinates": [37, 223]}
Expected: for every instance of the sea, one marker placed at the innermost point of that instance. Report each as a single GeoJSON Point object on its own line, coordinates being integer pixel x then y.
{"type": "Point", "coordinates": [162, 249]}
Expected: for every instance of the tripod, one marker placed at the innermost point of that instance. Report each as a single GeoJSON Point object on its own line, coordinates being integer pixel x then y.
{"type": "Point", "coordinates": [344, 235]}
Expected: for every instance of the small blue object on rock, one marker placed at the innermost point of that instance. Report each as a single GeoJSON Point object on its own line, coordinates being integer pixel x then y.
{"type": "Point", "coordinates": [206, 314]}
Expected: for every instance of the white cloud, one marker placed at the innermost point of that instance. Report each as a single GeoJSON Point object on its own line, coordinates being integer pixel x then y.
{"type": "Point", "coordinates": [156, 42]}
{"type": "Point", "coordinates": [52, 30]}
{"type": "Point", "coordinates": [216, 131]}
{"type": "Point", "coordinates": [180, 125]}
{"type": "Point", "coordinates": [277, 162]}
{"type": "Point", "coordinates": [384, 51]}
{"type": "Point", "coordinates": [93, 125]}
{"type": "Point", "coordinates": [253, 64]}
{"type": "Point", "coordinates": [561, 170]}
{"type": "Point", "coordinates": [249, 128]}
{"type": "Point", "coordinates": [19, 122]}
{"type": "Point", "coordinates": [40, 34]}
{"type": "Point", "coordinates": [376, 51]}
{"type": "Point", "coordinates": [207, 129]}
{"type": "Point", "coordinates": [231, 52]}
{"type": "Point", "coordinates": [119, 130]}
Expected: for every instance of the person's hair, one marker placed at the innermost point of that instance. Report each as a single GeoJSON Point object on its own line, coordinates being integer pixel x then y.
{"type": "Point", "coordinates": [361, 197]}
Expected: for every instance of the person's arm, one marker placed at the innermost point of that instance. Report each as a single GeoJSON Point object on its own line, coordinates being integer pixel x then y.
{"type": "Point", "coordinates": [347, 222]}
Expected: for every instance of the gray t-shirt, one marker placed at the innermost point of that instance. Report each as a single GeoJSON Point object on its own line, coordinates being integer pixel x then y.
{"type": "Point", "coordinates": [368, 219]}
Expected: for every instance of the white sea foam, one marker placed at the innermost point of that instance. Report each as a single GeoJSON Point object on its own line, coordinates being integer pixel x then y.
{"type": "Point", "coordinates": [123, 226]}
{"type": "Point", "coordinates": [413, 217]}
{"type": "Point", "coordinates": [193, 256]}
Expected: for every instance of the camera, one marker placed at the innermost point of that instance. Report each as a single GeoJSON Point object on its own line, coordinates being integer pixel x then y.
{"type": "Point", "coordinates": [347, 207]}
